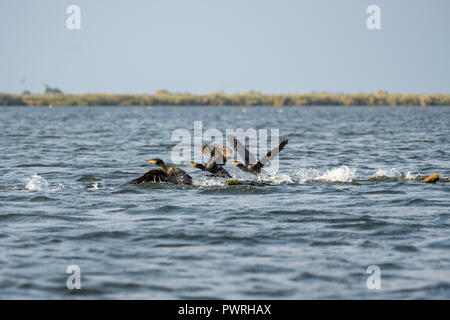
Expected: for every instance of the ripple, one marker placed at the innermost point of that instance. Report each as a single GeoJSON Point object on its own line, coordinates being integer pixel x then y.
{"type": "Point", "coordinates": [42, 199]}
{"type": "Point", "coordinates": [32, 165]}
{"type": "Point", "coordinates": [103, 234]}
{"type": "Point", "coordinates": [383, 191]}
{"type": "Point", "coordinates": [171, 245]}
{"type": "Point", "coordinates": [127, 191]}
{"type": "Point", "coordinates": [329, 243]}
{"type": "Point", "coordinates": [439, 244]}
{"type": "Point", "coordinates": [309, 276]}
{"type": "Point", "coordinates": [406, 248]}
{"type": "Point", "coordinates": [87, 178]}
{"type": "Point", "coordinates": [237, 189]}
{"type": "Point", "coordinates": [11, 216]}
{"type": "Point", "coordinates": [168, 208]}
{"type": "Point", "coordinates": [297, 212]}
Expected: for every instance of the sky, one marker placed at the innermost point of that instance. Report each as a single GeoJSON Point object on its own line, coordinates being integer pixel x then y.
{"type": "Point", "coordinates": [203, 46]}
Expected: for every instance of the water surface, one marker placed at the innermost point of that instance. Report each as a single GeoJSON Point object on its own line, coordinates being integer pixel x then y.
{"type": "Point", "coordinates": [348, 195]}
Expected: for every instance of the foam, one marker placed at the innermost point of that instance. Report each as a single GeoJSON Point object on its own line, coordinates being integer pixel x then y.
{"type": "Point", "coordinates": [386, 172]}
{"type": "Point", "coordinates": [38, 183]}
{"type": "Point", "coordinates": [339, 174]}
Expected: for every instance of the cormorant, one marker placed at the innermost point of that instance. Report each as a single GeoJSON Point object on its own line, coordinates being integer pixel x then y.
{"type": "Point", "coordinates": [218, 154]}
{"type": "Point", "coordinates": [218, 157]}
{"type": "Point", "coordinates": [156, 175]}
{"type": "Point", "coordinates": [250, 164]}
{"type": "Point", "coordinates": [165, 174]}
{"type": "Point", "coordinates": [215, 169]}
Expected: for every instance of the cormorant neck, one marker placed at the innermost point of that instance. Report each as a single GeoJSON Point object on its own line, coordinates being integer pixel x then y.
{"type": "Point", "coordinates": [162, 166]}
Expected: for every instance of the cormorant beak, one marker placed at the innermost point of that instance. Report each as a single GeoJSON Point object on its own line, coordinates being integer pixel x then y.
{"type": "Point", "coordinates": [193, 164]}
{"type": "Point", "coordinates": [235, 163]}
{"type": "Point", "coordinates": [152, 161]}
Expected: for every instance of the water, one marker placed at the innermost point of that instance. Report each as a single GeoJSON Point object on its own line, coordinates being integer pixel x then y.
{"type": "Point", "coordinates": [347, 195]}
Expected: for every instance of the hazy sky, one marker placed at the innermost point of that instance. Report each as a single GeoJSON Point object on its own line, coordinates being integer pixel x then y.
{"type": "Point", "coordinates": [202, 46]}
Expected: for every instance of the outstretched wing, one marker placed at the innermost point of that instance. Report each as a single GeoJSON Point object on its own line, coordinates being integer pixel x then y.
{"type": "Point", "coordinates": [221, 172]}
{"type": "Point", "coordinates": [274, 152]}
{"type": "Point", "coordinates": [199, 166]}
{"type": "Point", "coordinates": [156, 175]}
{"type": "Point", "coordinates": [217, 154]}
{"type": "Point", "coordinates": [243, 152]}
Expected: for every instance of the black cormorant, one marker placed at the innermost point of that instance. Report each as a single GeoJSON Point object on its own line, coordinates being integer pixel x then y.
{"type": "Point", "coordinates": [250, 164]}
{"type": "Point", "coordinates": [156, 175]}
{"type": "Point", "coordinates": [218, 157]}
{"type": "Point", "coordinates": [215, 169]}
{"type": "Point", "coordinates": [165, 174]}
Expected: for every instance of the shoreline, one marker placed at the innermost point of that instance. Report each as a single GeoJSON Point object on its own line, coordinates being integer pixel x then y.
{"type": "Point", "coordinates": [164, 98]}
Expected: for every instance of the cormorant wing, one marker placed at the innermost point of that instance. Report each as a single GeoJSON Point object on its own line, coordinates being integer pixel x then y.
{"type": "Point", "coordinates": [156, 175]}
{"type": "Point", "coordinates": [199, 166]}
{"type": "Point", "coordinates": [243, 152]}
{"type": "Point", "coordinates": [274, 152]}
{"type": "Point", "coordinates": [218, 154]}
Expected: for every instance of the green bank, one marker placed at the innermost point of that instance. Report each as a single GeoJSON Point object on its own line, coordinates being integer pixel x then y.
{"type": "Point", "coordinates": [162, 98]}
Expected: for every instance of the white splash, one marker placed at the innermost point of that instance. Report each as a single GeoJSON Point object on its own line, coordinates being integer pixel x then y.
{"type": "Point", "coordinates": [386, 172]}
{"type": "Point", "coordinates": [281, 179]}
{"type": "Point", "coordinates": [273, 178]}
{"type": "Point", "coordinates": [394, 173]}
{"type": "Point", "coordinates": [209, 182]}
{"type": "Point", "coordinates": [305, 175]}
{"type": "Point", "coordinates": [410, 176]}
{"type": "Point", "coordinates": [38, 183]}
{"type": "Point", "coordinates": [94, 186]}
{"type": "Point", "coordinates": [341, 174]}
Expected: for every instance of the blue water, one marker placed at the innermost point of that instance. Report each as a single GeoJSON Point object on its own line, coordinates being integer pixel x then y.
{"type": "Point", "coordinates": [348, 194]}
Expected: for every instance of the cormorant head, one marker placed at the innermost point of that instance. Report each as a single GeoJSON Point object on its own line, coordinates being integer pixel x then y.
{"type": "Point", "coordinates": [158, 162]}
{"type": "Point", "coordinates": [237, 164]}
{"type": "Point", "coordinates": [197, 165]}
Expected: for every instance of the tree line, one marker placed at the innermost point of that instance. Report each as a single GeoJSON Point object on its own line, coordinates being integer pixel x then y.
{"type": "Point", "coordinates": [251, 98]}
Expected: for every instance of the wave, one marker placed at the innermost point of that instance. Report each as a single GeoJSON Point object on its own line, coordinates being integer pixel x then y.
{"type": "Point", "coordinates": [386, 172]}
{"type": "Point", "coordinates": [342, 174]}
{"type": "Point", "coordinates": [274, 179]}
{"type": "Point", "coordinates": [260, 179]}
{"type": "Point", "coordinates": [393, 174]}
{"type": "Point", "coordinates": [209, 182]}
{"type": "Point", "coordinates": [339, 174]}
{"type": "Point", "coordinates": [38, 183]}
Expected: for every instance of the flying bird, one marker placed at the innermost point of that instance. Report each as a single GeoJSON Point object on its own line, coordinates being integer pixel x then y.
{"type": "Point", "coordinates": [250, 164]}
{"type": "Point", "coordinates": [217, 158]}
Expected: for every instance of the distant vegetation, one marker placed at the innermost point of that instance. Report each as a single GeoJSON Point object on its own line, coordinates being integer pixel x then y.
{"type": "Point", "coordinates": [54, 97]}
